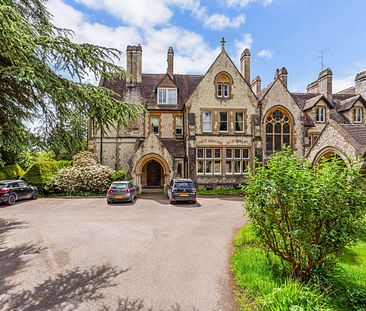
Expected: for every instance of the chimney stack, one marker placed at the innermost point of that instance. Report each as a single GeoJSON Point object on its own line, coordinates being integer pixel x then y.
{"type": "Point", "coordinates": [139, 63]}
{"type": "Point", "coordinates": [245, 64]}
{"type": "Point", "coordinates": [325, 80]}
{"type": "Point", "coordinates": [256, 85]}
{"type": "Point", "coordinates": [129, 60]}
{"type": "Point", "coordinates": [134, 63]}
{"type": "Point", "coordinates": [360, 83]}
{"type": "Point", "coordinates": [283, 76]}
{"type": "Point", "coordinates": [170, 59]}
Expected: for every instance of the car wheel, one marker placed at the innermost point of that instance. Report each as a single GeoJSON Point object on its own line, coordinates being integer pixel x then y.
{"type": "Point", "coordinates": [194, 201]}
{"type": "Point", "coordinates": [34, 196]}
{"type": "Point", "coordinates": [109, 202]}
{"type": "Point", "coordinates": [12, 199]}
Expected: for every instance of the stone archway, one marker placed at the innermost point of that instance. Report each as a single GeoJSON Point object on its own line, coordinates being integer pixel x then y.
{"type": "Point", "coordinates": [152, 164]}
{"type": "Point", "coordinates": [328, 153]}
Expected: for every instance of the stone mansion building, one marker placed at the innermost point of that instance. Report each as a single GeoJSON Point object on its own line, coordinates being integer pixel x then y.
{"type": "Point", "coordinates": [211, 127]}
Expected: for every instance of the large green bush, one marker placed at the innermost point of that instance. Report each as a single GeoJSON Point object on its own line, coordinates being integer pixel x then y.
{"type": "Point", "coordinates": [306, 215]}
{"type": "Point", "coordinates": [40, 172]}
{"type": "Point", "coordinates": [85, 176]}
{"type": "Point", "coordinates": [11, 172]}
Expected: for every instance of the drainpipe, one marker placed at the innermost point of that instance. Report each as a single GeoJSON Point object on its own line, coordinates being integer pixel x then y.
{"type": "Point", "coordinates": [101, 146]}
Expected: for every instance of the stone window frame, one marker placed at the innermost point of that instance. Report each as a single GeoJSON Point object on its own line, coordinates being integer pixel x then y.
{"type": "Point", "coordinates": [313, 137]}
{"type": "Point", "coordinates": [205, 159]}
{"type": "Point", "coordinates": [290, 121]}
{"type": "Point", "coordinates": [167, 89]}
{"type": "Point", "coordinates": [158, 116]}
{"type": "Point", "coordinates": [360, 120]}
{"type": "Point", "coordinates": [223, 85]}
{"type": "Point", "coordinates": [243, 159]}
{"type": "Point", "coordinates": [318, 115]}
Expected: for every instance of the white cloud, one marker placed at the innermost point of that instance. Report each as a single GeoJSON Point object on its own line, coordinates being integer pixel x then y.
{"type": "Point", "coordinates": [192, 54]}
{"type": "Point", "coordinates": [147, 13]}
{"type": "Point", "coordinates": [219, 21]}
{"type": "Point", "coordinates": [267, 54]}
{"type": "Point", "coordinates": [244, 3]}
{"type": "Point", "coordinates": [245, 43]}
{"type": "Point", "coordinates": [343, 83]}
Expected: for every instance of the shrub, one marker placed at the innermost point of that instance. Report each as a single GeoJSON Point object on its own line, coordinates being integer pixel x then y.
{"type": "Point", "coordinates": [39, 173]}
{"type": "Point", "coordinates": [119, 175]}
{"type": "Point", "coordinates": [64, 163]}
{"type": "Point", "coordinates": [305, 215]}
{"type": "Point", "coordinates": [85, 176]}
{"type": "Point", "coordinates": [11, 172]}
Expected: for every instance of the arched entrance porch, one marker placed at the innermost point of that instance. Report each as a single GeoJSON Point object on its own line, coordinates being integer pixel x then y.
{"type": "Point", "coordinates": [328, 153]}
{"type": "Point", "coordinates": [152, 173]}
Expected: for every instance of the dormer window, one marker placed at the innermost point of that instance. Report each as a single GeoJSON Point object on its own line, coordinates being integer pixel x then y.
{"type": "Point", "coordinates": [223, 83]}
{"type": "Point", "coordinates": [357, 115]}
{"type": "Point", "coordinates": [320, 115]}
{"type": "Point", "coordinates": [167, 96]}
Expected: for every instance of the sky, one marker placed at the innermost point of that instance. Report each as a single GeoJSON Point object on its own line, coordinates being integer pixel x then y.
{"type": "Point", "coordinates": [288, 33]}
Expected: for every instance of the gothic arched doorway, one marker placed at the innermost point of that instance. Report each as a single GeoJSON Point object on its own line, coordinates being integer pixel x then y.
{"type": "Point", "coordinates": [152, 175]}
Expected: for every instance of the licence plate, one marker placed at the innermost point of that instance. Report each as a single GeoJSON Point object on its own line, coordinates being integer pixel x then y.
{"type": "Point", "coordinates": [184, 195]}
{"type": "Point", "coordinates": [119, 196]}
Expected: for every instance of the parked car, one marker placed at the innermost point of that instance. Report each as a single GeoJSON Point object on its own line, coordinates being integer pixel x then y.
{"type": "Point", "coordinates": [122, 191]}
{"type": "Point", "coordinates": [181, 189]}
{"type": "Point", "coordinates": [14, 190]}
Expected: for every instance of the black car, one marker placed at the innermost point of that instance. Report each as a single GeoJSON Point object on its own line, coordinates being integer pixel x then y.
{"type": "Point", "coordinates": [14, 190]}
{"type": "Point", "coordinates": [181, 189]}
{"type": "Point", "coordinates": [122, 191]}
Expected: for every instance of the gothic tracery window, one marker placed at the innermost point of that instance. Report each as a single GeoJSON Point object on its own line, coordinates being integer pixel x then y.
{"type": "Point", "coordinates": [278, 131]}
{"type": "Point", "coordinates": [223, 85]}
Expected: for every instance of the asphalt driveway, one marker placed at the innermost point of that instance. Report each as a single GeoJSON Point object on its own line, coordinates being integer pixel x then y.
{"type": "Point", "coordinates": [81, 254]}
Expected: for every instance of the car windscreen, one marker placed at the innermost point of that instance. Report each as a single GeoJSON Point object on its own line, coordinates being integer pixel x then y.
{"type": "Point", "coordinates": [184, 185]}
{"type": "Point", "coordinates": [3, 186]}
{"type": "Point", "coordinates": [119, 186]}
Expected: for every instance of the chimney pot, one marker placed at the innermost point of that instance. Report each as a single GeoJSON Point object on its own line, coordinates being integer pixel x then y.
{"type": "Point", "coordinates": [360, 83]}
{"type": "Point", "coordinates": [283, 76]}
{"type": "Point", "coordinates": [325, 80]}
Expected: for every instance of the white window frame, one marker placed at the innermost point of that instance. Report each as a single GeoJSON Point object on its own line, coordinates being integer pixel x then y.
{"type": "Point", "coordinates": [357, 113]}
{"type": "Point", "coordinates": [206, 122]}
{"type": "Point", "coordinates": [151, 124]}
{"type": "Point", "coordinates": [206, 158]}
{"type": "Point", "coordinates": [180, 127]}
{"type": "Point", "coordinates": [235, 159]}
{"type": "Point", "coordinates": [220, 90]}
{"type": "Point", "coordinates": [320, 115]}
{"type": "Point", "coordinates": [226, 90]}
{"type": "Point", "coordinates": [236, 122]}
{"type": "Point", "coordinates": [164, 94]}
{"type": "Point", "coordinates": [227, 121]}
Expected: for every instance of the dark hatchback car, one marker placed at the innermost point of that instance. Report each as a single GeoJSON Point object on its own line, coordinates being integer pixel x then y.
{"type": "Point", "coordinates": [14, 190]}
{"type": "Point", "coordinates": [122, 191]}
{"type": "Point", "coordinates": [181, 189]}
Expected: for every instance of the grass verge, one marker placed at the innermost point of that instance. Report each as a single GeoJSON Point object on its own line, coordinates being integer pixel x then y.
{"type": "Point", "coordinates": [261, 286]}
{"type": "Point", "coordinates": [224, 191]}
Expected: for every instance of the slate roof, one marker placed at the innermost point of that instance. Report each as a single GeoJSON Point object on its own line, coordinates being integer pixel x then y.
{"type": "Point", "coordinates": [301, 98]}
{"type": "Point", "coordinates": [310, 103]}
{"type": "Point", "coordinates": [347, 104]}
{"type": "Point", "coordinates": [186, 85]}
{"type": "Point", "coordinates": [339, 118]}
{"type": "Point", "coordinates": [357, 132]}
{"type": "Point", "coordinates": [174, 146]}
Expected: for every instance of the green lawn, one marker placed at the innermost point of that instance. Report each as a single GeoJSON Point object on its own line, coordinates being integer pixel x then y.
{"type": "Point", "coordinates": [260, 286]}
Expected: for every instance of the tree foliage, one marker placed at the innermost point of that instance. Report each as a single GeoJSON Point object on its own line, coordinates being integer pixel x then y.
{"type": "Point", "coordinates": [36, 58]}
{"type": "Point", "coordinates": [306, 215]}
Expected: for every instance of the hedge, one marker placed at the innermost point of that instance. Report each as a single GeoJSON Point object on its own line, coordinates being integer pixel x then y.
{"type": "Point", "coordinates": [11, 172]}
{"type": "Point", "coordinates": [39, 173]}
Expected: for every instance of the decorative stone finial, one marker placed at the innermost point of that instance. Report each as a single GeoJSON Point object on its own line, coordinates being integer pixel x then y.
{"type": "Point", "coordinates": [223, 43]}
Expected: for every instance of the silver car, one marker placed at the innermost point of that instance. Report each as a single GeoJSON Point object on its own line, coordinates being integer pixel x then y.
{"type": "Point", "coordinates": [122, 191]}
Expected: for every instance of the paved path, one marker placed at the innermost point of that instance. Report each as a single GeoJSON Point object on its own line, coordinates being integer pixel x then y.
{"type": "Point", "coordinates": [81, 254]}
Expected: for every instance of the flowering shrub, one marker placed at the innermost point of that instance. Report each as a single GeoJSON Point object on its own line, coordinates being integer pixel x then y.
{"type": "Point", "coordinates": [85, 176]}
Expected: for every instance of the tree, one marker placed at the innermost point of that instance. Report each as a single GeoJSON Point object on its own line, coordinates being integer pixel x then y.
{"type": "Point", "coordinates": [306, 215]}
{"type": "Point", "coordinates": [35, 58]}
